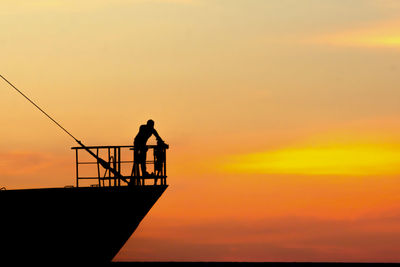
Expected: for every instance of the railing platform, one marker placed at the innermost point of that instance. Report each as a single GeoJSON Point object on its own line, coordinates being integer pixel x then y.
{"type": "Point", "coordinates": [126, 170]}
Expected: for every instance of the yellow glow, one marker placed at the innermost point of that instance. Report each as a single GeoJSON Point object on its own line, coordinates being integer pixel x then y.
{"type": "Point", "coordinates": [329, 160]}
{"type": "Point", "coordinates": [390, 40]}
{"type": "Point", "coordinates": [383, 35]}
{"type": "Point", "coordinates": [369, 40]}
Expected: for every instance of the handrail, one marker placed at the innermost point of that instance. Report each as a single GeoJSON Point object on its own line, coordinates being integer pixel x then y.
{"type": "Point", "coordinates": [79, 147]}
{"type": "Point", "coordinates": [124, 146]}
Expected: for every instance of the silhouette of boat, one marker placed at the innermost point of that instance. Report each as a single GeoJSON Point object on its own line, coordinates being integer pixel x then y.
{"type": "Point", "coordinates": [89, 223]}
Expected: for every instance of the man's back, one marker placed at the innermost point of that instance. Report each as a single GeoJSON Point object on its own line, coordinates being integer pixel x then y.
{"type": "Point", "coordinates": [143, 135]}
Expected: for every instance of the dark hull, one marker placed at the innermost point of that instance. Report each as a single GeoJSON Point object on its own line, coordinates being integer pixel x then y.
{"type": "Point", "coordinates": [71, 224]}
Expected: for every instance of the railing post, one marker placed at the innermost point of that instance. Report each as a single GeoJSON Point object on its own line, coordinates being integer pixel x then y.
{"type": "Point", "coordinates": [119, 164]}
{"type": "Point", "coordinates": [115, 165]}
{"type": "Point", "coordinates": [98, 167]}
{"type": "Point", "coordinates": [77, 167]}
{"type": "Point", "coordinates": [154, 165]}
{"type": "Point", "coordinates": [165, 166]}
{"type": "Point", "coordinates": [109, 162]}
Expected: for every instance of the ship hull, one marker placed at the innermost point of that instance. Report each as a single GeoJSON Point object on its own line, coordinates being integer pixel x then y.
{"type": "Point", "coordinates": [71, 224]}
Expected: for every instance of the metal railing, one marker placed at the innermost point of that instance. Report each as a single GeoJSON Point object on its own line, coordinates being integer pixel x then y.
{"type": "Point", "coordinates": [122, 160]}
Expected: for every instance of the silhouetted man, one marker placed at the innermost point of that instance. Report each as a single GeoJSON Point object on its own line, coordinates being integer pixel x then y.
{"type": "Point", "coordinates": [145, 132]}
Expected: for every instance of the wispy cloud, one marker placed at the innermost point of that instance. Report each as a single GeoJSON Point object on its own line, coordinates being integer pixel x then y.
{"type": "Point", "coordinates": [65, 3]}
{"type": "Point", "coordinates": [386, 34]}
{"type": "Point", "coordinates": [352, 152]}
{"type": "Point", "coordinates": [13, 163]}
{"type": "Point", "coordinates": [276, 239]}
{"type": "Point", "coordinates": [329, 160]}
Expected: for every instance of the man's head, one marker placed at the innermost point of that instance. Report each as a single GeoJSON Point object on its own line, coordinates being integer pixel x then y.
{"type": "Point", "coordinates": [150, 123]}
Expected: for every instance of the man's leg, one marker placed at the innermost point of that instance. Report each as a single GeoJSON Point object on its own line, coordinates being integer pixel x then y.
{"type": "Point", "coordinates": [143, 153]}
{"type": "Point", "coordinates": [135, 169]}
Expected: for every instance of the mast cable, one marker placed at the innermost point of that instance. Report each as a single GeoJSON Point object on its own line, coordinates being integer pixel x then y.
{"type": "Point", "coordinates": [103, 163]}
{"type": "Point", "coordinates": [33, 103]}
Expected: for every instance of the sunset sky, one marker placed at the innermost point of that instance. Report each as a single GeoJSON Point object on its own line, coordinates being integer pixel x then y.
{"type": "Point", "coordinates": [282, 116]}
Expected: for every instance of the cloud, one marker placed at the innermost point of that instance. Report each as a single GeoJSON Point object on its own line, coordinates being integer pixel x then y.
{"type": "Point", "coordinates": [385, 34]}
{"type": "Point", "coordinates": [355, 152]}
{"type": "Point", "coordinates": [92, 3]}
{"type": "Point", "coordinates": [329, 160]}
{"type": "Point", "coordinates": [387, 4]}
{"type": "Point", "coordinates": [14, 163]}
{"type": "Point", "coordinates": [369, 238]}
{"type": "Point", "coordinates": [11, 8]}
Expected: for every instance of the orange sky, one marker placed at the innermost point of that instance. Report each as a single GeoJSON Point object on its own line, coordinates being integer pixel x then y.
{"type": "Point", "coordinates": [282, 118]}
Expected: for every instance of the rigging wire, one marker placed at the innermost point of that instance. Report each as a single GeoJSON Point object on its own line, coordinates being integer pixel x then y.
{"type": "Point", "coordinates": [103, 163]}
{"type": "Point", "coordinates": [33, 103]}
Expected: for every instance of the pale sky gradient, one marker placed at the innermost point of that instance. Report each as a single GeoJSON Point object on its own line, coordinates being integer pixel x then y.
{"type": "Point", "coordinates": [282, 117]}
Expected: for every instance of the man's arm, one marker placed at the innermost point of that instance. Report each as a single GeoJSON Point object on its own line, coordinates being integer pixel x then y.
{"type": "Point", "coordinates": [157, 136]}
